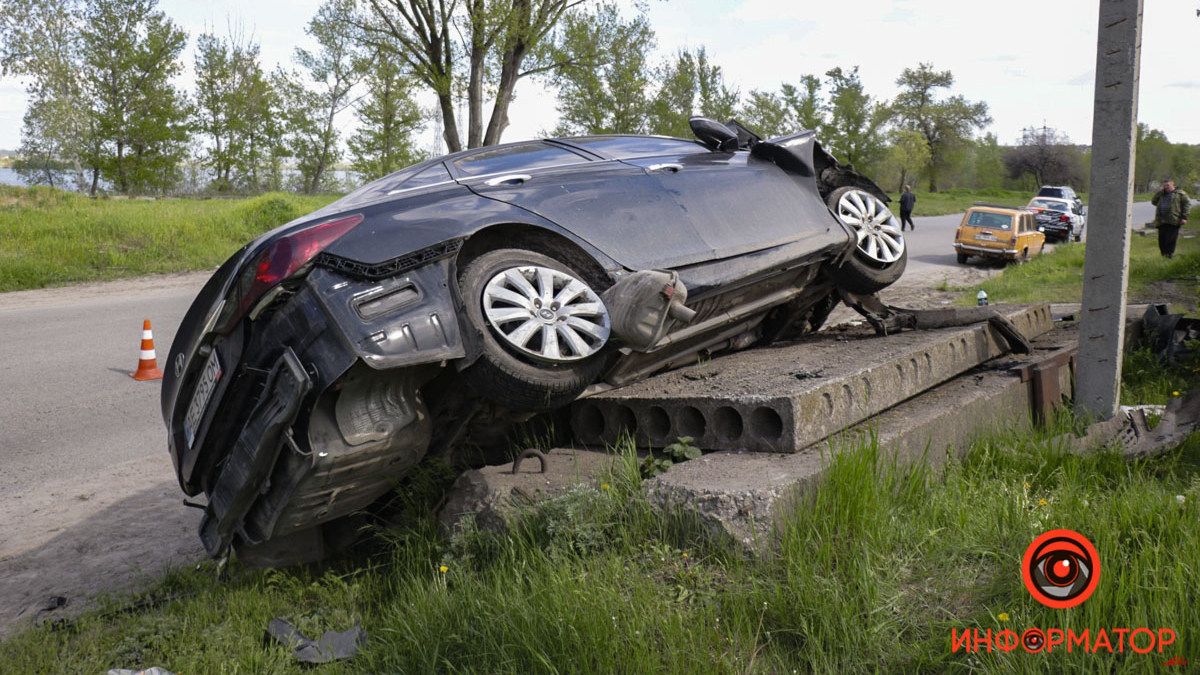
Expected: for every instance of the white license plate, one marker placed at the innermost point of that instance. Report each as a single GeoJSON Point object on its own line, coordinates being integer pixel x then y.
{"type": "Point", "coordinates": [985, 236]}
{"type": "Point", "coordinates": [204, 391]}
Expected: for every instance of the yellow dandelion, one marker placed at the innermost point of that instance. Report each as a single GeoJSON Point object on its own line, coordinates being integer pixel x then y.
{"type": "Point", "coordinates": [685, 554]}
{"type": "Point", "coordinates": [443, 569]}
{"type": "Point", "coordinates": [1003, 616]}
{"type": "Point", "coordinates": [1175, 393]}
{"type": "Point", "coordinates": [1043, 502]}
{"type": "Point", "coordinates": [605, 486]}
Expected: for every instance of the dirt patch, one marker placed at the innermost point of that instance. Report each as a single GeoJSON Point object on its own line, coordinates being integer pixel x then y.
{"type": "Point", "coordinates": [1182, 296]}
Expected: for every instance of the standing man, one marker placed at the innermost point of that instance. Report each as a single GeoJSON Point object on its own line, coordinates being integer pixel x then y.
{"type": "Point", "coordinates": [907, 201]}
{"type": "Point", "coordinates": [1170, 213]}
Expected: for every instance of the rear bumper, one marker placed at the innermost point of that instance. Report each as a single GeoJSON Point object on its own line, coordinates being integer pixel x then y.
{"type": "Point", "coordinates": [981, 250]}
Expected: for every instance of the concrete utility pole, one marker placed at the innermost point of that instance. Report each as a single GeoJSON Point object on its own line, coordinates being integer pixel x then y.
{"type": "Point", "coordinates": [1106, 266]}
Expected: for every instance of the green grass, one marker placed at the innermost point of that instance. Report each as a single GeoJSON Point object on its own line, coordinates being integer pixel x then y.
{"type": "Point", "coordinates": [875, 568]}
{"type": "Point", "coordinates": [50, 237]}
{"type": "Point", "coordinates": [1058, 276]}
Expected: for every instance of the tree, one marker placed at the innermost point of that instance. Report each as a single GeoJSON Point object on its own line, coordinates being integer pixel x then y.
{"type": "Point", "coordinates": [906, 158]}
{"type": "Point", "coordinates": [989, 163]}
{"type": "Point", "coordinates": [855, 120]}
{"type": "Point", "coordinates": [388, 116]}
{"type": "Point", "coordinates": [602, 78]}
{"type": "Point", "coordinates": [235, 106]}
{"type": "Point", "coordinates": [791, 110]}
{"type": "Point", "coordinates": [690, 85]}
{"type": "Point", "coordinates": [1047, 155]}
{"type": "Point", "coordinates": [39, 42]}
{"type": "Point", "coordinates": [489, 44]}
{"type": "Point", "coordinates": [944, 123]}
{"type": "Point", "coordinates": [310, 114]}
{"type": "Point", "coordinates": [139, 119]}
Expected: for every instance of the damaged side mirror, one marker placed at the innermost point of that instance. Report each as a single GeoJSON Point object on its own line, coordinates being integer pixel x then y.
{"type": "Point", "coordinates": [713, 134]}
{"type": "Point", "coordinates": [642, 305]}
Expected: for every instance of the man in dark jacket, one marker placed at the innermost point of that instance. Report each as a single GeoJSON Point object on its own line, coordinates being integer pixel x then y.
{"type": "Point", "coordinates": [907, 201]}
{"type": "Point", "coordinates": [1170, 213]}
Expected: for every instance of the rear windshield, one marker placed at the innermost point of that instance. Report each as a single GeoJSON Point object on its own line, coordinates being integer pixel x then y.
{"type": "Point", "coordinates": [1049, 204]}
{"type": "Point", "coordinates": [521, 157]}
{"type": "Point", "coordinates": [1052, 192]}
{"type": "Point", "coordinates": [995, 221]}
{"type": "Point", "coordinates": [629, 147]}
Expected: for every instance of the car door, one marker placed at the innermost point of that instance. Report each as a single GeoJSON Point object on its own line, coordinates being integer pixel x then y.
{"type": "Point", "coordinates": [616, 207]}
{"type": "Point", "coordinates": [739, 203]}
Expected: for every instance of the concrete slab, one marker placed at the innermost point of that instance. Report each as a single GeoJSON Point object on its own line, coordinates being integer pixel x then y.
{"type": "Point", "coordinates": [494, 494]}
{"type": "Point", "coordinates": [786, 398]}
{"type": "Point", "coordinates": [743, 496]}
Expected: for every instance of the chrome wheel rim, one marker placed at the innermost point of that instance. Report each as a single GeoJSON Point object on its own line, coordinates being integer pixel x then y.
{"type": "Point", "coordinates": [878, 231]}
{"type": "Point", "coordinates": [546, 314]}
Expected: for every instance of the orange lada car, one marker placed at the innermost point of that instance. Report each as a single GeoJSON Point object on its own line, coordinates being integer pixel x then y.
{"type": "Point", "coordinates": [1000, 232]}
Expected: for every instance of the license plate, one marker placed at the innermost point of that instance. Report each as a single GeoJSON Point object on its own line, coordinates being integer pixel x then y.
{"type": "Point", "coordinates": [204, 391]}
{"type": "Point", "coordinates": [985, 236]}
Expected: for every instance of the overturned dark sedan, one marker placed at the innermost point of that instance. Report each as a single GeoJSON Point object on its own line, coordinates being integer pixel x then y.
{"type": "Point", "coordinates": [443, 304]}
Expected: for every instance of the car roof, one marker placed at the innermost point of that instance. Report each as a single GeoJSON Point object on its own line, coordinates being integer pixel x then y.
{"type": "Point", "coordinates": [998, 208]}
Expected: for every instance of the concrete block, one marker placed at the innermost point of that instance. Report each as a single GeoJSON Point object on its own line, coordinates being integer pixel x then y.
{"type": "Point", "coordinates": [494, 494]}
{"type": "Point", "coordinates": [785, 398]}
{"type": "Point", "coordinates": [743, 496]}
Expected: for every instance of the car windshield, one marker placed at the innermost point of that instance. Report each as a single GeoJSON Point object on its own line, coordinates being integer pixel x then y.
{"type": "Point", "coordinates": [994, 221]}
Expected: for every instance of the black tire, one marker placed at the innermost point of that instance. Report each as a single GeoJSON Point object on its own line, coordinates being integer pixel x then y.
{"type": "Point", "coordinates": [503, 376]}
{"type": "Point", "coordinates": [860, 274]}
{"type": "Point", "coordinates": [962, 258]}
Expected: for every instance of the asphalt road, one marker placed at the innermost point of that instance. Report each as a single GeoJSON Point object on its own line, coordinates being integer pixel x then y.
{"type": "Point", "coordinates": [88, 498]}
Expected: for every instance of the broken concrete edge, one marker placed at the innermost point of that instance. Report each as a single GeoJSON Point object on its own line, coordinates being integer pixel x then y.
{"type": "Point", "coordinates": [495, 498]}
{"type": "Point", "coordinates": [1129, 431]}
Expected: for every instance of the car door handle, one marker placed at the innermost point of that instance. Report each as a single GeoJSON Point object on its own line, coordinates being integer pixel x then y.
{"type": "Point", "coordinates": [507, 179]}
{"type": "Point", "coordinates": [669, 166]}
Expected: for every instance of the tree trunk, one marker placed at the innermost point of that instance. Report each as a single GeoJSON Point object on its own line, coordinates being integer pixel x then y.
{"type": "Point", "coordinates": [509, 72]}
{"type": "Point", "coordinates": [95, 180]}
{"type": "Point", "coordinates": [449, 124]}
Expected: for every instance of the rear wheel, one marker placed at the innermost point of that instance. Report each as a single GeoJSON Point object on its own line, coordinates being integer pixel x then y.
{"type": "Point", "coordinates": [962, 258]}
{"type": "Point", "coordinates": [880, 255]}
{"type": "Point", "coordinates": [542, 328]}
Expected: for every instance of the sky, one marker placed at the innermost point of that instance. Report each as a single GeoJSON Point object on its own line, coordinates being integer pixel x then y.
{"type": "Point", "coordinates": [1032, 61]}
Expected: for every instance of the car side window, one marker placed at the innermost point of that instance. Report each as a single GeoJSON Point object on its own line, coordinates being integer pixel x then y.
{"type": "Point", "coordinates": [512, 158]}
{"type": "Point", "coordinates": [430, 176]}
{"type": "Point", "coordinates": [629, 147]}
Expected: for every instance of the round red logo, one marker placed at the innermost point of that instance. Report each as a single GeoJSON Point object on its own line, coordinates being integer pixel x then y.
{"type": "Point", "coordinates": [1061, 568]}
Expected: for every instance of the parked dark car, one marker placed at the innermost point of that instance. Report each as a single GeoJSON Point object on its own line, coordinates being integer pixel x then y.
{"type": "Point", "coordinates": [454, 298]}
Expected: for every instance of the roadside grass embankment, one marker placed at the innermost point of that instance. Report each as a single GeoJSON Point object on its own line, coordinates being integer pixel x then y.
{"type": "Point", "coordinates": [1058, 276]}
{"type": "Point", "coordinates": [50, 237]}
{"type": "Point", "coordinates": [876, 567]}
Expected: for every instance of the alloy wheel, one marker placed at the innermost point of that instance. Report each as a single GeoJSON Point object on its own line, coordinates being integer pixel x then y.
{"type": "Point", "coordinates": [545, 313]}
{"type": "Point", "coordinates": [878, 231]}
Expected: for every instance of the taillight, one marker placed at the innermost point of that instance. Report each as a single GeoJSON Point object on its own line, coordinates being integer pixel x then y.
{"type": "Point", "coordinates": [284, 257]}
{"type": "Point", "coordinates": [1064, 218]}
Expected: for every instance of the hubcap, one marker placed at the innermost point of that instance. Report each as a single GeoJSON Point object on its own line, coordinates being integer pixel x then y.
{"type": "Point", "coordinates": [878, 231]}
{"type": "Point", "coordinates": [547, 314]}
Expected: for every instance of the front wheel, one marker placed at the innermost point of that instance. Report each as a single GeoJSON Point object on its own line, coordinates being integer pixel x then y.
{"type": "Point", "coordinates": [541, 326]}
{"type": "Point", "coordinates": [880, 254]}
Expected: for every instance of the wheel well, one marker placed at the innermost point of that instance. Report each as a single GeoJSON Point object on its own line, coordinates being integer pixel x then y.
{"type": "Point", "coordinates": [538, 240]}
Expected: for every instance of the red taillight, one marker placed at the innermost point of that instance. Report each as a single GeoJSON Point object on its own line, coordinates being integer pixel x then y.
{"type": "Point", "coordinates": [1064, 218]}
{"type": "Point", "coordinates": [287, 254]}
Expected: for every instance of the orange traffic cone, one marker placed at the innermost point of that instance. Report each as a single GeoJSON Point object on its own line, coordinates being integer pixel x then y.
{"type": "Point", "coordinates": [147, 368]}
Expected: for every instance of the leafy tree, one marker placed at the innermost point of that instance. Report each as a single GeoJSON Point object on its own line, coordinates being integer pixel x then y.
{"type": "Point", "coordinates": [488, 44]}
{"type": "Point", "coordinates": [945, 123]}
{"type": "Point", "coordinates": [388, 116]}
{"type": "Point", "coordinates": [989, 167]}
{"type": "Point", "coordinates": [1047, 155]}
{"type": "Point", "coordinates": [235, 105]}
{"type": "Point", "coordinates": [603, 77]}
{"type": "Point", "coordinates": [907, 156]}
{"type": "Point", "coordinates": [690, 85]}
{"type": "Point", "coordinates": [39, 43]}
{"type": "Point", "coordinates": [790, 110]}
{"type": "Point", "coordinates": [310, 113]}
{"type": "Point", "coordinates": [139, 119]}
{"type": "Point", "coordinates": [854, 130]}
